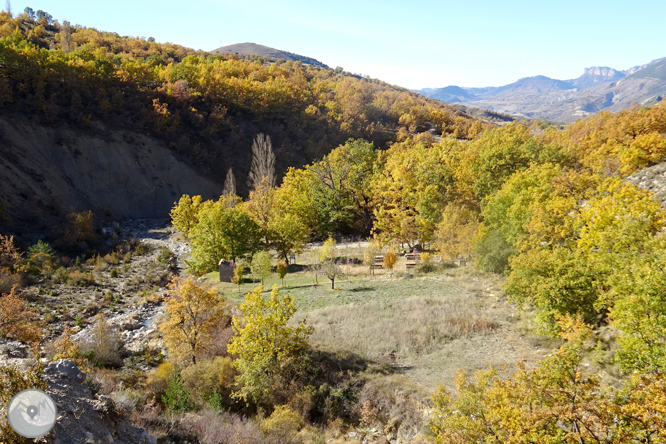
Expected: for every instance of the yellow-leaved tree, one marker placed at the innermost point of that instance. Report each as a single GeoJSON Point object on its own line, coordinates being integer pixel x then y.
{"type": "Point", "coordinates": [192, 312]}
{"type": "Point", "coordinates": [185, 214]}
{"type": "Point", "coordinates": [267, 347]}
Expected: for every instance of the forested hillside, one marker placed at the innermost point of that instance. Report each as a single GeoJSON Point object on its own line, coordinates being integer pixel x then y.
{"type": "Point", "coordinates": [205, 108]}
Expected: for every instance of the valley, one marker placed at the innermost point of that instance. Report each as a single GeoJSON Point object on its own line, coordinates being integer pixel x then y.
{"type": "Point", "coordinates": [244, 246]}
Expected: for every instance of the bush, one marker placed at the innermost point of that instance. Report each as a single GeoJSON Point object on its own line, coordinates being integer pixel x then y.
{"type": "Point", "coordinates": [492, 251]}
{"type": "Point", "coordinates": [158, 381]}
{"type": "Point", "coordinates": [390, 259]}
{"type": "Point", "coordinates": [105, 347]}
{"type": "Point", "coordinates": [283, 425]}
{"type": "Point", "coordinates": [208, 379]}
{"type": "Point", "coordinates": [175, 397]}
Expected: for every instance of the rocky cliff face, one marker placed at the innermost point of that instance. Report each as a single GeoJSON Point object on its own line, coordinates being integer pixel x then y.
{"type": "Point", "coordinates": [61, 170]}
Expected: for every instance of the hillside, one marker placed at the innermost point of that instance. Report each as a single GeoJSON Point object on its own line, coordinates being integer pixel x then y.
{"type": "Point", "coordinates": [597, 89]}
{"type": "Point", "coordinates": [202, 109]}
{"type": "Point", "coordinates": [254, 49]}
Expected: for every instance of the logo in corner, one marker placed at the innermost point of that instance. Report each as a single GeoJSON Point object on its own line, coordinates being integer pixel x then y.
{"type": "Point", "coordinates": [32, 413]}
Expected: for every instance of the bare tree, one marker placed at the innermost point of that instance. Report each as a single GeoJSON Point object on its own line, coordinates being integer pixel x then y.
{"type": "Point", "coordinates": [65, 37]}
{"type": "Point", "coordinates": [8, 6]}
{"type": "Point", "coordinates": [229, 184]}
{"type": "Point", "coordinates": [263, 163]}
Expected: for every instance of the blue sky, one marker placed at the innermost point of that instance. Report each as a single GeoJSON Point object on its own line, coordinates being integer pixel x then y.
{"type": "Point", "coordinates": [413, 44]}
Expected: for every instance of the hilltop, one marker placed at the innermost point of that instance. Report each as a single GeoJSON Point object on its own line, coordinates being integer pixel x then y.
{"type": "Point", "coordinates": [254, 49]}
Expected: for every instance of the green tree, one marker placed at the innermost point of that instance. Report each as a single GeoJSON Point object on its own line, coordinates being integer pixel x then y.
{"type": "Point", "coordinates": [266, 345]}
{"type": "Point", "coordinates": [176, 398]}
{"type": "Point", "coordinates": [222, 233]}
{"type": "Point", "coordinates": [261, 266]}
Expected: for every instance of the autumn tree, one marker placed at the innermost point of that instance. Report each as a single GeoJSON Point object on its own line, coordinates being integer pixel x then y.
{"type": "Point", "coordinates": [266, 345]}
{"type": "Point", "coordinates": [328, 261]}
{"type": "Point", "coordinates": [390, 259]}
{"type": "Point", "coordinates": [262, 168]}
{"type": "Point", "coordinates": [185, 214]}
{"type": "Point", "coordinates": [65, 37]}
{"type": "Point", "coordinates": [192, 312]}
{"type": "Point", "coordinates": [555, 402]}
{"type": "Point", "coordinates": [239, 274]}
{"type": "Point", "coordinates": [281, 270]}
{"type": "Point", "coordinates": [455, 233]}
{"type": "Point", "coordinates": [411, 190]}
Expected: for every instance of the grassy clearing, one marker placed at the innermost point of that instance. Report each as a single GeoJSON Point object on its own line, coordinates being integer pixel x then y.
{"type": "Point", "coordinates": [425, 327]}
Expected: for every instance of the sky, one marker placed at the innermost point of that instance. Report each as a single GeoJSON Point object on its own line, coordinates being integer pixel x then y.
{"type": "Point", "coordinates": [414, 44]}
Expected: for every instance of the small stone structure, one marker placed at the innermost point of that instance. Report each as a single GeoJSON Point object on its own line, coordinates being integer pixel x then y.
{"type": "Point", "coordinates": [226, 269]}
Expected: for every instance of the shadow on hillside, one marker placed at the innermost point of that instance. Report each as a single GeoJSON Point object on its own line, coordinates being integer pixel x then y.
{"type": "Point", "coordinates": [339, 360]}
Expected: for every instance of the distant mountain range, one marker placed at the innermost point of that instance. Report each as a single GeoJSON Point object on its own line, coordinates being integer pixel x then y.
{"type": "Point", "coordinates": [255, 49]}
{"type": "Point", "coordinates": [540, 97]}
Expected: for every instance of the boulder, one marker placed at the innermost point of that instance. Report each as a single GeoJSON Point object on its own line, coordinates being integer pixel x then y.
{"type": "Point", "coordinates": [66, 368]}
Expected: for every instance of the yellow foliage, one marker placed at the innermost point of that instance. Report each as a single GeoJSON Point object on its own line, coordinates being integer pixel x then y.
{"type": "Point", "coordinates": [192, 311]}
{"type": "Point", "coordinates": [265, 344]}
{"type": "Point", "coordinates": [283, 424]}
{"type": "Point", "coordinates": [185, 214]}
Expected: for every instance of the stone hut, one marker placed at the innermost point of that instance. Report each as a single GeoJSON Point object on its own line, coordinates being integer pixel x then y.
{"type": "Point", "coordinates": [226, 269]}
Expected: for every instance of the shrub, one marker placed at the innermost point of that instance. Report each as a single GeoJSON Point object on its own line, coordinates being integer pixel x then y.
{"type": "Point", "coordinates": [492, 251]}
{"type": "Point", "coordinates": [158, 381]}
{"type": "Point", "coordinates": [105, 347]}
{"type": "Point", "coordinates": [390, 259]}
{"type": "Point", "coordinates": [283, 425]}
{"type": "Point", "coordinates": [175, 397]}
{"type": "Point", "coordinates": [210, 378]}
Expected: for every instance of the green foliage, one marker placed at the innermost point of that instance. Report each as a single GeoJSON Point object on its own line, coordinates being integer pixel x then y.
{"type": "Point", "coordinates": [491, 251]}
{"type": "Point", "coordinates": [210, 381]}
{"type": "Point", "coordinates": [511, 208]}
{"type": "Point", "coordinates": [222, 233]}
{"type": "Point", "coordinates": [176, 398]}
{"type": "Point", "coordinates": [261, 266]}
{"type": "Point", "coordinates": [506, 151]}
{"type": "Point", "coordinates": [266, 346]}
{"type": "Point", "coordinates": [639, 311]}
{"type": "Point", "coordinates": [555, 281]}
